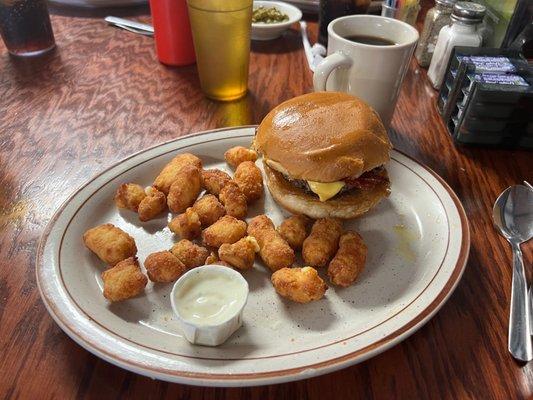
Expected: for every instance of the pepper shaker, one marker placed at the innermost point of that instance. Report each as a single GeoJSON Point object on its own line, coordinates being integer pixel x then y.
{"type": "Point", "coordinates": [436, 18]}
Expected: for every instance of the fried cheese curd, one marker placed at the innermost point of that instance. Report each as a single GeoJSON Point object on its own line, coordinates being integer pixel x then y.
{"type": "Point", "coordinates": [190, 254]}
{"type": "Point", "coordinates": [349, 261]}
{"type": "Point", "coordinates": [294, 230]}
{"type": "Point", "coordinates": [273, 249]}
{"type": "Point", "coordinates": [123, 281]}
{"type": "Point", "coordinates": [227, 229]}
{"type": "Point", "coordinates": [168, 174]}
{"type": "Point", "coordinates": [320, 246]}
{"type": "Point", "coordinates": [129, 196]}
{"type": "Point", "coordinates": [214, 259]}
{"type": "Point", "coordinates": [301, 285]}
{"type": "Point", "coordinates": [152, 205]}
{"type": "Point", "coordinates": [186, 225]}
{"type": "Point", "coordinates": [234, 200]}
{"type": "Point", "coordinates": [248, 177]}
{"type": "Point", "coordinates": [185, 189]}
{"type": "Point", "coordinates": [209, 209]}
{"type": "Point", "coordinates": [239, 154]}
{"type": "Point", "coordinates": [109, 243]}
{"type": "Point", "coordinates": [240, 254]}
{"type": "Point", "coordinates": [214, 180]}
{"type": "Point", "coordinates": [163, 266]}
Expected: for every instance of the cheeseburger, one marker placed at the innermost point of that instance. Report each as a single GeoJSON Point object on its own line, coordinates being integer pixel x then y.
{"type": "Point", "coordinates": [323, 155]}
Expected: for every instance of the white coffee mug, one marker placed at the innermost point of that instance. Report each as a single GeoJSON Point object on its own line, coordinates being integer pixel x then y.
{"type": "Point", "coordinates": [373, 73]}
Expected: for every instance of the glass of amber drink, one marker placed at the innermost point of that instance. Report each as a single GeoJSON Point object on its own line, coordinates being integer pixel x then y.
{"type": "Point", "coordinates": [221, 36]}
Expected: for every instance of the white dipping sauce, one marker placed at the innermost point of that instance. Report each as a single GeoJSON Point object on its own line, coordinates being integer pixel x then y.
{"type": "Point", "coordinates": [209, 298]}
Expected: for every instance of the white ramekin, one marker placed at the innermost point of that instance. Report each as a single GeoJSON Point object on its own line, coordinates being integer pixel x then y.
{"type": "Point", "coordinates": [209, 335]}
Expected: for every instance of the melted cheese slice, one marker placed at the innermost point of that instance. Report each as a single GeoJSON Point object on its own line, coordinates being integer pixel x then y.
{"type": "Point", "coordinates": [326, 191]}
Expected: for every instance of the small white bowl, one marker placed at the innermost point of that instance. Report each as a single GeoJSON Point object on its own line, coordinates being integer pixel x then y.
{"type": "Point", "coordinates": [262, 31]}
{"type": "Point", "coordinates": [210, 335]}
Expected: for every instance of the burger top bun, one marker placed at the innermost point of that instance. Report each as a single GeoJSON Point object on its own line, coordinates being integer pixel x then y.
{"type": "Point", "coordinates": [323, 137]}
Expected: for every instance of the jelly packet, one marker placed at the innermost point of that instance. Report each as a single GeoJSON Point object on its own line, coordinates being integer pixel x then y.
{"type": "Point", "coordinates": [490, 64]}
{"type": "Point", "coordinates": [499, 79]}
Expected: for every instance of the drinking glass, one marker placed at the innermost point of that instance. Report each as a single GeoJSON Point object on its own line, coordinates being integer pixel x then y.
{"type": "Point", "coordinates": [25, 27]}
{"type": "Point", "coordinates": [221, 36]}
{"type": "Point", "coordinates": [172, 31]}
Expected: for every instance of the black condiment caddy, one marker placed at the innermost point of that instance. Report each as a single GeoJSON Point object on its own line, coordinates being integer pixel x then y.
{"type": "Point", "coordinates": [487, 97]}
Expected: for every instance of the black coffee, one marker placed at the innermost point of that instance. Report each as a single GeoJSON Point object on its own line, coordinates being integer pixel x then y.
{"type": "Point", "coordinates": [372, 40]}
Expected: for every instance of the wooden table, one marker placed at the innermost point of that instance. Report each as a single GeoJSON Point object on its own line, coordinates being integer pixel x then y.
{"type": "Point", "coordinates": [102, 95]}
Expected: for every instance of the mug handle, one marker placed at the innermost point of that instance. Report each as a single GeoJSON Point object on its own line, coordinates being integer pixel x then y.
{"type": "Point", "coordinates": [326, 67]}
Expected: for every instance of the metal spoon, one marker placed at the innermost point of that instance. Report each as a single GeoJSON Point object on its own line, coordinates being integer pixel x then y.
{"type": "Point", "coordinates": [513, 216]}
{"type": "Point", "coordinates": [530, 292]}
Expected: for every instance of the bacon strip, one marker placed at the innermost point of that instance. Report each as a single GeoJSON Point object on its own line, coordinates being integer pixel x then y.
{"type": "Point", "coordinates": [367, 180]}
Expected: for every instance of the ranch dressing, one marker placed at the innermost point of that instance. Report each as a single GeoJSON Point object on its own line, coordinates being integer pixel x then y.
{"type": "Point", "coordinates": [208, 298]}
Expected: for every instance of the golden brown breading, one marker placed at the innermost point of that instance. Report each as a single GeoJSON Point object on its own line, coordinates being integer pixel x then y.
{"type": "Point", "coordinates": [129, 195]}
{"type": "Point", "coordinates": [212, 258]}
{"type": "Point", "coordinates": [226, 230]}
{"type": "Point", "coordinates": [152, 205]}
{"type": "Point", "coordinates": [234, 200]}
{"type": "Point", "coordinates": [164, 266]}
{"type": "Point", "coordinates": [185, 189]}
{"type": "Point", "coordinates": [274, 250]}
{"type": "Point", "coordinates": [299, 284]}
{"type": "Point", "coordinates": [214, 180]}
{"type": "Point", "coordinates": [250, 180]}
{"type": "Point", "coordinates": [109, 243]}
{"type": "Point", "coordinates": [240, 254]}
{"type": "Point", "coordinates": [320, 246]}
{"type": "Point", "coordinates": [186, 225]}
{"type": "Point", "coordinates": [124, 281]}
{"type": "Point", "coordinates": [168, 175]}
{"type": "Point", "coordinates": [294, 230]}
{"type": "Point", "coordinates": [209, 209]}
{"type": "Point", "coordinates": [349, 261]}
{"type": "Point", "coordinates": [189, 253]}
{"type": "Point", "coordinates": [239, 154]}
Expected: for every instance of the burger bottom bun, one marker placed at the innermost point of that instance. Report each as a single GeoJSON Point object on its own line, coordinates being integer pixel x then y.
{"type": "Point", "coordinates": [345, 206]}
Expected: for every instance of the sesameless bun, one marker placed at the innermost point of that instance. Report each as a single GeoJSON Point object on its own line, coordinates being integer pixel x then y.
{"type": "Point", "coordinates": [345, 206]}
{"type": "Point", "coordinates": [324, 137]}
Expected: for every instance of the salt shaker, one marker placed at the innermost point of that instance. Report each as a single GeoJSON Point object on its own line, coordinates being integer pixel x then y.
{"type": "Point", "coordinates": [462, 32]}
{"type": "Point", "coordinates": [436, 18]}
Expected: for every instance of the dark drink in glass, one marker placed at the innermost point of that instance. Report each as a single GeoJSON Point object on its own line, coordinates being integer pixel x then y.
{"type": "Point", "coordinates": [332, 9]}
{"type": "Point", "coordinates": [25, 27]}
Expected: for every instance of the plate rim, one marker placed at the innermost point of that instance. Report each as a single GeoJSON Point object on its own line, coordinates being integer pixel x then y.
{"type": "Point", "coordinates": [280, 375]}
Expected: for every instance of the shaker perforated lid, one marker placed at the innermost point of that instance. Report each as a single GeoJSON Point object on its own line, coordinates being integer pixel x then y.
{"type": "Point", "coordinates": [468, 12]}
{"type": "Point", "coordinates": [446, 3]}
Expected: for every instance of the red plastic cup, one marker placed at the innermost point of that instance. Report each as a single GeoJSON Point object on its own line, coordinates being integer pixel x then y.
{"type": "Point", "coordinates": [173, 38]}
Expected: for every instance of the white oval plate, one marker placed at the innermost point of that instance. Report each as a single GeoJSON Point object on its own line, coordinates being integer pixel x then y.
{"type": "Point", "coordinates": [418, 241]}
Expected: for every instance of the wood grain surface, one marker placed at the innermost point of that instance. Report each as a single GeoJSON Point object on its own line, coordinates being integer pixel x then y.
{"type": "Point", "coordinates": [102, 95]}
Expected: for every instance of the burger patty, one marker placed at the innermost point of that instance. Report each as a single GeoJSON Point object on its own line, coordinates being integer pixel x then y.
{"type": "Point", "coordinates": [366, 181]}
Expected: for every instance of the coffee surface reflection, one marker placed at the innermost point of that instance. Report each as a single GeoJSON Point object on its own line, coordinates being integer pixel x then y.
{"type": "Point", "coordinates": [371, 40]}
